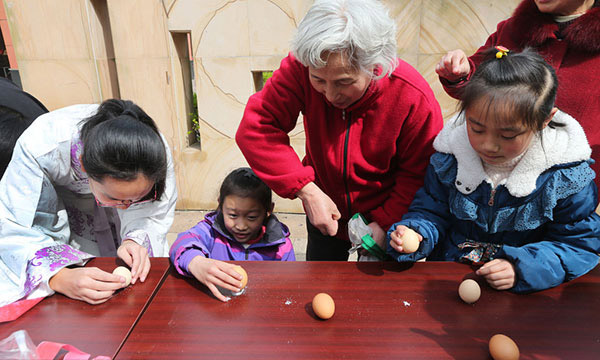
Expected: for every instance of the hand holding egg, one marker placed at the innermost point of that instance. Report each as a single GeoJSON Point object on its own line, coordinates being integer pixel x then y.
{"type": "Point", "coordinates": [124, 272]}
{"type": "Point", "coordinates": [242, 272]}
{"type": "Point", "coordinates": [405, 240]}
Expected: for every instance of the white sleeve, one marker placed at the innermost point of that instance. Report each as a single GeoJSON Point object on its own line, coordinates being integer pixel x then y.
{"type": "Point", "coordinates": [34, 229]}
{"type": "Point", "coordinates": [151, 221]}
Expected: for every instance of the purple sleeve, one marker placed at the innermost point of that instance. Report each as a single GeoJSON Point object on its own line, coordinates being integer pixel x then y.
{"type": "Point", "coordinates": [188, 245]}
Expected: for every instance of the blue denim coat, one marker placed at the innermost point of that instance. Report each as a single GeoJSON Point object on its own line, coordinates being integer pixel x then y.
{"type": "Point", "coordinates": [550, 235]}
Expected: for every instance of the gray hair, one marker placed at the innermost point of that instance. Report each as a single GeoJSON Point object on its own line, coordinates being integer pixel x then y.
{"type": "Point", "coordinates": [360, 29]}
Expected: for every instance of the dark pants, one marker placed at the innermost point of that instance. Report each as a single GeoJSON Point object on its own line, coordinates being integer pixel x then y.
{"type": "Point", "coordinates": [324, 247]}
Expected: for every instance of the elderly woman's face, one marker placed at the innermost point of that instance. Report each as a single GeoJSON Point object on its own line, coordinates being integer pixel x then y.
{"type": "Point", "coordinates": [339, 82]}
{"type": "Point", "coordinates": [564, 7]}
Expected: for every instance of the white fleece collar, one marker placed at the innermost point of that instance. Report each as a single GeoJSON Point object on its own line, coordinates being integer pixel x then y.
{"type": "Point", "coordinates": [560, 145]}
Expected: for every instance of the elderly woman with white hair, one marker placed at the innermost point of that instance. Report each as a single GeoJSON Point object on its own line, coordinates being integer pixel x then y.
{"type": "Point", "coordinates": [369, 118]}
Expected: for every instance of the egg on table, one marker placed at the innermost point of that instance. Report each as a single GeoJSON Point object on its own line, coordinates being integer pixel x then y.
{"type": "Point", "coordinates": [323, 306]}
{"type": "Point", "coordinates": [503, 348]}
{"type": "Point", "coordinates": [469, 291]}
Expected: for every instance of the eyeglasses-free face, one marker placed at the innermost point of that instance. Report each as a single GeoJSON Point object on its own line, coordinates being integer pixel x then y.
{"type": "Point", "coordinates": [122, 194]}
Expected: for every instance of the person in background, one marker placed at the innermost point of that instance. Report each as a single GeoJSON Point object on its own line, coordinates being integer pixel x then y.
{"type": "Point", "coordinates": [369, 120]}
{"type": "Point", "coordinates": [18, 109]}
{"type": "Point", "coordinates": [242, 228]}
{"type": "Point", "coordinates": [567, 35]}
{"type": "Point", "coordinates": [84, 181]}
{"type": "Point", "coordinates": [511, 185]}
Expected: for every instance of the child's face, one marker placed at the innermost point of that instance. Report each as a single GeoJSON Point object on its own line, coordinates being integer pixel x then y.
{"type": "Point", "coordinates": [495, 142]}
{"type": "Point", "coordinates": [243, 217]}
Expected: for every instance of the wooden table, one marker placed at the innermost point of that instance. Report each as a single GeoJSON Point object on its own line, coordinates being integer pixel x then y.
{"type": "Point", "coordinates": [383, 310]}
{"type": "Point", "coordinates": [95, 329]}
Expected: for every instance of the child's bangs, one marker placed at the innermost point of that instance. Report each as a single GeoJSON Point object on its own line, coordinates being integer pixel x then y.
{"type": "Point", "coordinates": [508, 107]}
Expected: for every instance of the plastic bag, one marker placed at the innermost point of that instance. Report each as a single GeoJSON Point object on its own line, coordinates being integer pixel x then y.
{"type": "Point", "coordinates": [361, 236]}
{"type": "Point", "coordinates": [17, 346]}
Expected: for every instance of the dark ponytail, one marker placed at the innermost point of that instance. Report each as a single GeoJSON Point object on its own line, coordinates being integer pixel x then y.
{"type": "Point", "coordinates": [516, 86]}
{"type": "Point", "coordinates": [121, 141]}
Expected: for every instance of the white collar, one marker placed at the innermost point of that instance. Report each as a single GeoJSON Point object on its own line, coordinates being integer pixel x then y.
{"type": "Point", "coordinates": [560, 145]}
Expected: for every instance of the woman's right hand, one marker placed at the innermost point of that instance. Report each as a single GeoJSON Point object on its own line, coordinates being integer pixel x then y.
{"type": "Point", "coordinates": [91, 285]}
{"type": "Point", "coordinates": [320, 209]}
{"type": "Point", "coordinates": [213, 273]}
{"type": "Point", "coordinates": [453, 66]}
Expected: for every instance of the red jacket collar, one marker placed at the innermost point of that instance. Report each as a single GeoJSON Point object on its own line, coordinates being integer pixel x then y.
{"type": "Point", "coordinates": [583, 34]}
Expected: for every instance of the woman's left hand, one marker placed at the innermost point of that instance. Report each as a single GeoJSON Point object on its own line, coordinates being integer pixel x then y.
{"type": "Point", "coordinates": [378, 235]}
{"type": "Point", "coordinates": [499, 273]}
{"type": "Point", "coordinates": [136, 256]}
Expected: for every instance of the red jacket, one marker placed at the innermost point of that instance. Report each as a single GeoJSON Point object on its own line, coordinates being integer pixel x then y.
{"type": "Point", "coordinates": [575, 57]}
{"type": "Point", "coordinates": [369, 158]}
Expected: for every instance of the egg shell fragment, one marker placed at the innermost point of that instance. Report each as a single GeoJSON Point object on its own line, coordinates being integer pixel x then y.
{"type": "Point", "coordinates": [503, 348]}
{"type": "Point", "coordinates": [323, 306]}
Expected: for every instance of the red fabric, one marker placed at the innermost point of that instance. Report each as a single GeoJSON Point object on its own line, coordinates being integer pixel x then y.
{"type": "Point", "coordinates": [390, 133]}
{"type": "Point", "coordinates": [576, 59]}
{"type": "Point", "coordinates": [13, 311]}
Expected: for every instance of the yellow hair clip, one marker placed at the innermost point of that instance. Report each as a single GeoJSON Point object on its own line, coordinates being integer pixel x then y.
{"type": "Point", "coordinates": [502, 51]}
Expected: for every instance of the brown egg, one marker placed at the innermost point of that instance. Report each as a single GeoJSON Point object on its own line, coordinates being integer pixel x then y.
{"type": "Point", "coordinates": [503, 348]}
{"type": "Point", "coordinates": [323, 306]}
{"type": "Point", "coordinates": [469, 291]}
{"type": "Point", "coordinates": [410, 241]}
{"type": "Point", "coordinates": [242, 272]}
{"type": "Point", "coordinates": [124, 272]}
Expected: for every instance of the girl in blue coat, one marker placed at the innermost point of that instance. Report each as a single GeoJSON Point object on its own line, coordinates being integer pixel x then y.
{"type": "Point", "coordinates": [510, 185]}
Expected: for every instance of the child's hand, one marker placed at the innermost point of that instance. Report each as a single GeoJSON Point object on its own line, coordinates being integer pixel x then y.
{"type": "Point", "coordinates": [499, 273]}
{"type": "Point", "coordinates": [453, 66]}
{"type": "Point", "coordinates": [213, 273]}
{"type": "Point", "coordinates": [91, 285]}
{"type": "Point", "coordinates": [136, 256]}
{"type": "Point", "coordinates": [396, 238]}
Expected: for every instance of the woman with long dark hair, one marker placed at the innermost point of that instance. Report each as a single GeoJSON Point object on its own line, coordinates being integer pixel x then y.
{"type": "Point", "coordinates": [84, 181]}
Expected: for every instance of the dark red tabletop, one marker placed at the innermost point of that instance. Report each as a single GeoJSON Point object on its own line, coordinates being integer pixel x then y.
{"type": "Point", "coordinates": [94, 329]}
{"type": "Point", "coordinates": [383, 310]}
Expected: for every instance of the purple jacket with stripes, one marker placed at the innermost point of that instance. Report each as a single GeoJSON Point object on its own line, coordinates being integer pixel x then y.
{"type": "Point", "coordinates": [209, 238]}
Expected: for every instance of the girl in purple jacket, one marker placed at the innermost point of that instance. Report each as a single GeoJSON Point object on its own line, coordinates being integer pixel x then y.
{"type": "Point", "coordinates": [242, 228]}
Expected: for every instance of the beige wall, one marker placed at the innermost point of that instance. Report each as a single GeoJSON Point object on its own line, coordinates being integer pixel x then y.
{"type": "Point", "coordinates": [84, 51]}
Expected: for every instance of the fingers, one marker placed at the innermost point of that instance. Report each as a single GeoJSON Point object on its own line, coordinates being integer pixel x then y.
{"type": "Point", "coordinates": [146, 268]}
{"type": "Point", "coordinates": [95, 297]}
{"type": "Point", "coordinates": [331, 228]}
{"type": "Point", "coordinates": [136, 256]}
{"type": "Point", "coordinates": [453, 65]}
{"type": "Point", "coordinates": [489, 268]}
{"type": "Point", "coordinates": [98, 280]}
{"type": "Point", "coordinates": [499, 274]}
{"type": "Point", "coordinates": [140, 256]}
{"type": "Point", "coordinates": [396, 239]}
{"type": "Point", "coordinates": [213, 289]}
